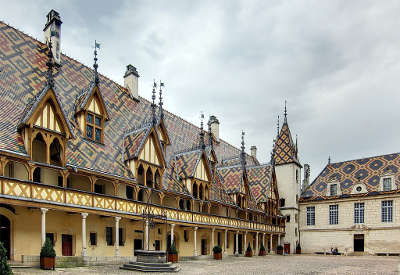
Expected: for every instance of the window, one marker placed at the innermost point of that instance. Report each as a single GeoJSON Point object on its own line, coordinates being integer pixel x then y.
{"type": "Point", "coordinates": [311, 215]}
{"type": "Point", "coordinates": [93, 238]}
{"type": "Point", "coordinates": [387, 184]}
{"type": "Point", "coordinates": [387, 211]}
{"type": "Point", "coordinates": [121, 236]}
{"type": "Point", "coordinates": [109, 236]}
{"type": "Point", "coordinates": [282, 202]}
{"type": "Point", "coordinates": [219, 238]}
{"type": "Point", "coordinates": [51, 237]}
{"type": "Point", "coordinates": [36, 175]}
{"type": "Point", "coordinates": [333, 189]}
{"type": "Point", "coordinates": [94, 127]}
{"type": "Point", "coordinates": [288, 218]}
{"type": "Point", "coordinates": [333, 214]}
{"type": "Point", "coordinates": [185, 235]}
{"type": "Point", "coordinates": [359, 212]}
{"type": "Point", "coordinates": [98, 188]}
{"type": "Point", "coordinates": [129, 192]}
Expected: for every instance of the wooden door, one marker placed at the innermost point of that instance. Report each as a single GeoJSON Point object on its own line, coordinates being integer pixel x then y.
{"type": "Point", "coordinates": [286, 247]}
{"type": "Point", "coordinates": [203, 247]}
{"type": "Point", "coordinates": [66, 245]}
{"type": "Point", "coordinates": [359, 242]}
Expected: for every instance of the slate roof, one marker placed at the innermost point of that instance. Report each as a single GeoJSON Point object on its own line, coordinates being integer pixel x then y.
{"type": "Point", "coordinates": [23, 79]}
{"type": "Point", "coordinates": [285, 149]}
{"type": "Point", "coordinates": [367, 171]}
{"type": "Point", "coordinates": [259, 179]}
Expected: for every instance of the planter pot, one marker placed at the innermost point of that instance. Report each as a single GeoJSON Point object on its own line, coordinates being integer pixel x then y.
{"type": "Point", "coordinates": [262, 253]}
{"type": "Point", "coordinates": [279, 251]}
{"type": "Point", "coordinates": [249, 254]}
{"type": "Point", "coordinates": [173, 258]}
{"type": "Point", "coordinates": [47, 263]}
{"type": "Point", "coordinates": [218, 256]}
{"type": "Point", "coordinates": [298, 251]}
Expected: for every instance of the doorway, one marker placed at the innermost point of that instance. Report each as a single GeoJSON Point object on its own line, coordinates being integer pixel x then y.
{"type": "Point", "coordinates": [137, 245]}
{"type": "Point", "coordinates": [203, 247]}
{"type": "Point", "coordinates": [157, 245]}
{"type": "Point", "coordinates": [286, 247]}
{"type": "Point", "coordinates": [66, 245]}
{"type": "Point", "coordinates": [359, 243]}
{"type": "Point", "coordinates": [5, 233]}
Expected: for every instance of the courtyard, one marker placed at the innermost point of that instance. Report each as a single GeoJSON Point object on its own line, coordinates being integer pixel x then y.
{"type": "Point", "coordinates": [271, 264]}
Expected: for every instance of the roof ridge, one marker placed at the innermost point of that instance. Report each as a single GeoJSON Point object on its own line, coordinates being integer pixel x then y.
{"type": "Point", "coordinates": [364, 158]}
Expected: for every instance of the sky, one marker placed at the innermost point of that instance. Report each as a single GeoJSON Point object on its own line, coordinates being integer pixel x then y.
{"type": "Point", "coordinates": [336, 63]}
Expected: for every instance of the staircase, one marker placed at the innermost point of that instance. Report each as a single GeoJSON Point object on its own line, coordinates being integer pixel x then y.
{"type": "Point", "coordinates": [151, 267]}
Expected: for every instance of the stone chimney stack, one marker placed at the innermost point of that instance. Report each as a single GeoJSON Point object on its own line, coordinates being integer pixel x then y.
{"type": "Point", "coordinates": [306, 180]}
{"type": "Point", "coordinates": [253, 150]}
{"type": "Point", "coordinates": [214, 125]}
{"type": "Point", "coordinates": [52, 30]}
{"type": "Point", "coordinates": [131, 79]}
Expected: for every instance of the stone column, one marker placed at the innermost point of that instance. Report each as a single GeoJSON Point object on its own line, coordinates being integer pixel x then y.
{"type": "Point", "coordinates": [279, 239]}
{"type": "Point", "coordinates": [172, 233]}
{"type": "Point", "coordinates": [237, 243]}
{"type": "Point", "coordinates": [270, 242]}
{"type": "Point", "coordinates": [116, 243]}
{"type": "Point", "coordinates": [195, 240]}
{"type": "Point", "coordinates": [263, 240]}
{"type": "Point", "coordinates": [43, 210]}
{"type": "Point", "coordinates": [226, 242]}
{"type": "Point", "coordinates": [245, 240]}
{"type": "Point", "coordinates": [146, 235]}
{"type": "Point", "coordinates": [212, 240]}
{"type": "Point", "coordinates": [84, 216]}
{"type": "Point", "coordinates": [256, 249]}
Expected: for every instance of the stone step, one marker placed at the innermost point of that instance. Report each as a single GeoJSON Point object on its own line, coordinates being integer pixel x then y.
{"type": "Point", "coordinates": [149, 268]}
{"type": "Point", "coordinates": [151, 264]}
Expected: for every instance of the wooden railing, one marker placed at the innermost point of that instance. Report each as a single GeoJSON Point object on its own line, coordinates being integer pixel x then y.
{"type": "Point", "coordinates": [18, 189]}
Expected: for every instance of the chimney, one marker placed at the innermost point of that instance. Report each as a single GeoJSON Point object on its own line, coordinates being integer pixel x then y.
{"type": "Point", "coordinates": [306, 180]}
{"type": "Point", "coordinates": [52, 30]}
{"type": "Point", "coordinates": [253, 150]}
{"type": "Point", "coordinates": [214, 125]}
{"type": "Point", "coordinates": [131, 78]}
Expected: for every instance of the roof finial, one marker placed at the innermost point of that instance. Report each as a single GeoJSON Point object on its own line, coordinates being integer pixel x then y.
{"type": "Point", "coordinates": [161, 102]}
{"type": "Point", "coordinates": [210, 135]}
{"type": "Point", "coordinates": [202, 144]}
{"type": "Point", "coordinates": [277, 127]}
{"type": "Point", "coordinates": [50, 65]}
{"type": "Point", "coordinates": [285, 121]}
{"type": "Point", "coordinates": [329, 160]}
{"type": "Point", "coordinates": [242, 153]}
{"type": "Point", "coordinates": [153, 105]}
{"type": "Point", "coordinates": [273, 152]}
{"type": "Point", "coordinates": [95, 65]}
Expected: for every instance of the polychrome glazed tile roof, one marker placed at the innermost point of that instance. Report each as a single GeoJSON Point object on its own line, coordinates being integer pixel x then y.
{"type": "Point", "coordinates": [366, 171]}
{"type": "Point", "coordinates": [285, 149]}
{"type": "Point", "coordinates": [259, 179]}
{"type": "Point", "coordinates": [134, 141]}
{"type": "Point", "coordinates": [186, 163]}
{"type": "Point", "coordinates": [22, 79]}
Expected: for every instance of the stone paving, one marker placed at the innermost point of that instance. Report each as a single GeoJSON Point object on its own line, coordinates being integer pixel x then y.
{"type": "Point", "coordinates": [271, 264]}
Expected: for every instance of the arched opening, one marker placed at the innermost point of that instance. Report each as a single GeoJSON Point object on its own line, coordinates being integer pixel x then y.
{"type": "Point", "coordinates": [140, 175]}
{"type": "Point", "coordinates": [155, 198]}
{"type": "Point", "coordinates": [206, 193]}
{"type": "Point", "coordinates": [239, 200]}
{"type": "Point", "coordinates": [56, 153]}
{"type": "Point", "coordinates": [181, 204]}
{"type": "Point", "coordinates": [141, 195]}
{"type": "Point", "coordinates": [188, 205]}
{"type": "Point", "coordinates": [79, 182]}
{"type": "Point", "coordinates": [37, 175]}
{"type": "Point", "coordinates": [149, 178]}
{"type": "Point", "coordinates": [16, 170]}
{"type": "Point", "coordinates": [201, 193]}
{"type": "Point", "coordinates": [5, 234]}
{"type": "Point", "coordinates": [195, 190]}
{"type": "Point", "coordinates": [39, 149]}
{"type": "Point", "coordinates": [157, 180]}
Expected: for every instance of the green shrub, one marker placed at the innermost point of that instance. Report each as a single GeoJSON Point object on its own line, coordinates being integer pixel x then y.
{"type": "Point", "coordinates": [262, 248]}
{"type": "Point", "coordinates": [248, 248]}
{"type": "Point", "coordinates": [5, 269]}
{"type": "Point", "coordinates": [173, 249]}
{"type": "Point", "coordinates": [217, 249]}
{"type": "Point", "coordinates": [279, 247]}
{"type": "Point", "coordinates": [47, 249]}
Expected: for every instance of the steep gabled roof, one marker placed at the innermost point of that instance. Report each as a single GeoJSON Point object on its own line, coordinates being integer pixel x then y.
{"type": "Point", "coordinates": [232, 177]}
{"type": "Point", "coordinates": [285, 149]}
{"type": "Point", "coordinates": [82, 101]}
{"type": "Point", "coordinates": [366, 171]}
{"type": "Point", "coordinates": [134, 141]}
{"type": "Point", "coordinates": [186, 163]}
{"type": "Point", "coordinates": [260, 180]}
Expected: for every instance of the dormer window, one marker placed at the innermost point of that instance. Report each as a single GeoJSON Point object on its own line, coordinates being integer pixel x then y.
{"type": "Point", "coordinates": [333, 189]}
{"type": "Point", "coordinates": [94, 127]}
{"type": "Point", "coordinates": [387, 184]}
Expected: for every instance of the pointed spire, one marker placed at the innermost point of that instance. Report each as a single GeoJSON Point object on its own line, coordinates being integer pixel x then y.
{"type": "Point", "coordinates": [210, 139]}
{"type": "Point", "coordinates": [50, 65]}
{"type": "Point", "coordinates": [285, 113]}
{"type": "Point", "coordinates": [242, 153]}
{"type": "Point", "coordinates": [202, 144]}
{"type": "Point", "coordinates": [95, 65]}
{"type": "Point", "coordinates": [273, 152]}
{"type": "Point", "coordinates": [153, 105]}
{"type": "Point", "coordinates": [277, 128]}
{"type": "Point", "coordinates": [329, 160]}
{"type": "Point", "coordinates": [160, 104]}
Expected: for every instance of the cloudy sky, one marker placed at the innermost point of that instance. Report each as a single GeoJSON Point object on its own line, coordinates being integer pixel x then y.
{"type": "Point", "coordinates": [337, 63]}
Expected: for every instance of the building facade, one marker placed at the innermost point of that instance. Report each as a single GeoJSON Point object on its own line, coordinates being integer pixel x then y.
{"type": "Point", "coordinates": [102, 171]}
{"type": "Point", "coordinates": [353, 206]}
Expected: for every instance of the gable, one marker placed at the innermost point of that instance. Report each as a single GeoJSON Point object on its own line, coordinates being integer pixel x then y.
{"type": "Point", "coordinates": [202, 171]}
{"type": "Point", "coordinates": [150, 152]}
{"type": "Point", "coordinates": [162, 133]}
{"type": "Point", "coordinates": [96, 104]}
{"type": "Point", "coordinates": [48, 118]}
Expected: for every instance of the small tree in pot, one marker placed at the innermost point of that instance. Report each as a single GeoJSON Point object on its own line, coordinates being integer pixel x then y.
{"type": "Point", "coordinates": [173, 254]}
{"type": "Point", "coordinates": [298, 249]}
{"type": "Point", "coordinates": [4, 267]}
{"type": "Point", "coordinates": [279, 249]}
{"type": "Point", "coordinates": [249, 252]}
{"type": "Point", "coordinates": [47, 255]}
{"type": "Point", "coordinates": [217, 252]}
{"type": "Point", "coordinates": [262, 250]}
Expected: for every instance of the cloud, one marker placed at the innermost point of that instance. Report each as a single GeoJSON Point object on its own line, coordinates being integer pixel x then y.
{"type": "Point", "coordinates": [335, 62]}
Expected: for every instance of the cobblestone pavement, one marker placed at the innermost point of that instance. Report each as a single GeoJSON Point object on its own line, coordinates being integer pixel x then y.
{"type": "Point", "coordinates": [296, 264]}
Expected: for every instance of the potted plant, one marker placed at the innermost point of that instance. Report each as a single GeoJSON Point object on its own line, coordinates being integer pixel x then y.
{"type": "Point", "coordinates": [279, 249]}
{"type": "Point", "coordinates": [173, 254]}
{"type": "Point", "coordinates": [4, 267]}
{"type": "Point", "coordinates": [47, 255]}
{"type": "Point", "coordinates": [249, 252]}
{"type": "Point", "coordinates": [298, 249]}
{"type": "Point", "coordinates": [217, 252]}
{"type": "Point", "coordinates": [262, 251]}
